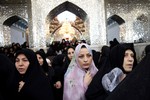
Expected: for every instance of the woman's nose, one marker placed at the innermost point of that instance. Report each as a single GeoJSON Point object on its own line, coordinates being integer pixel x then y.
{"type": "Point", "coordinates": [85, 59]}
{"type": "Point", "coordinates": [20, 62]}
{"type": "Point", "coordinates": [131, 58]}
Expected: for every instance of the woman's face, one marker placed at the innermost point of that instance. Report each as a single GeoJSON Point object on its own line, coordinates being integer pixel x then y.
{"type": "Point", "coordinates": [40, 59]}
{"type": "Point", "coordinates": [84, 58]}
{"type": "Point", "coordinates": [128, 60]}
{"type": "Point", "coordinates": [70, 53]}
{"type": "Point", "coordinates": [22, 63]}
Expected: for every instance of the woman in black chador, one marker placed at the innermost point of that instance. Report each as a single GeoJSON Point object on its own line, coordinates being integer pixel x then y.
{"type": "Point", "coordinates": [48, 70]}
{"type": "Point", "coordinates": [30, 83]}
{"type": "Point", "coordinates": [121, 61]}
{"type": "Point", "coordinates": [6, 75]}
{"type": "Point", "coordinates": [60, 64]}
{"type": "Point", "coordinates": [95, 90]}
{"type": "Point", "coordinates": [136, 86]}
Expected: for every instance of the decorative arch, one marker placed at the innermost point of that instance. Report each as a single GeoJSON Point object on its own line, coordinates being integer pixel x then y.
{"type": "Point", "coordinates": [69, 7]}
{"type": "Point", "coordinates": [66, 6]}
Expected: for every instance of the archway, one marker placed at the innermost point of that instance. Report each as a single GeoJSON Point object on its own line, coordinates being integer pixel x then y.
{"type": "Point", "coordinates": [53, 25]}
{"type": "Point", "coordinates": [115, 28]}
{"type": "Point", "coordinates": [15, 29]}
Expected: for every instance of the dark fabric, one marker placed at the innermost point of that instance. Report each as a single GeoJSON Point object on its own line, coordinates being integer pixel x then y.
{"type": "Point", "coordinates": [66, 64]}
{"type": "Point", "coordinates": [147, 49]}
{"type": "Point", "coordinates": [95, 90]}
{"type": "Point", "coordinates": [113, 43]}
{"type": "Point", "coordinates": [60, 64]}
{"type": "Point", "coordinates": [104, 56]}
{"type": "Point", "coordinates": [136, 86]}
{"type": "Point", "coordinates": [1, 50]}
{"type": "Point", "coordinates": [57, 64]}
{"type": "Point", "coordinates": [96, 56]}
{"type": "Point", "coordinates": [6, 75]}
{"type": "Point", "coordinates": [50, 52]}
{"type": "Point", "coordinates": [37, 85]}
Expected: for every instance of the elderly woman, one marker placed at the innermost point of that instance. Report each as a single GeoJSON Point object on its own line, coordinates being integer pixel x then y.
{"type": "Point", "coordinates": [136, 85]}
{"type": "Point", "coordinates": [121, 61]}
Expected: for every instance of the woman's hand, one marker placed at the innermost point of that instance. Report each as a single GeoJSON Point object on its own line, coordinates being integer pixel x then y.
{"type": "Point", "coordinates": [87, 78]}
{"type": "Point", "coordinates": [21, 84]}
{"type": "Point", "coordinates": [57, 85]}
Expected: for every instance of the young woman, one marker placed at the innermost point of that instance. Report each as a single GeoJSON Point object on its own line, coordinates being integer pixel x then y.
{"type": "Point", "coordinates": [79, 73]}
{"type": "Point", "coordinates": [70, 53]}
{"type": "Point", "coordinates": [48, 70]}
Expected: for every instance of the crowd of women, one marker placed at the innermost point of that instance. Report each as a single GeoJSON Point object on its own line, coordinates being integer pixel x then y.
{"type": "Point", "coordinates": [75, 72]}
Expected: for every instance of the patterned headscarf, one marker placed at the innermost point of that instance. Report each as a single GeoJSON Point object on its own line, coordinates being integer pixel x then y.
{"type": "Point", "coordinates": [74, 87]}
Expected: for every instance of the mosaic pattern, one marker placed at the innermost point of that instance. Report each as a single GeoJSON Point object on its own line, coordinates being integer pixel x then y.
{"type": "Point", "coordinates": [45, 6]}
{"type": "Point", "coordinates": [6, 34]}
{"type": "Point", "coordinates": [136, 16]}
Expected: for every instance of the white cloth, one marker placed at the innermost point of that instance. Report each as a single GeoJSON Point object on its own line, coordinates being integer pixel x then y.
{"type": "Point", "coordinates": [112, 79]}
